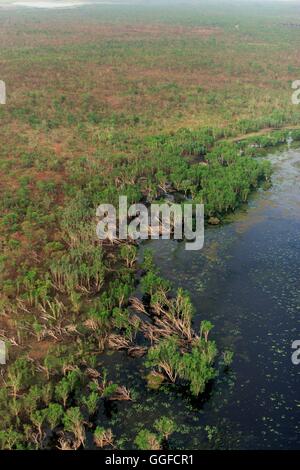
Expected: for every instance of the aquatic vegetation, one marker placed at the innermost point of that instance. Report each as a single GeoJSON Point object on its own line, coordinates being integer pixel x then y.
{"type": "Point", "coordinates": [146, 440]}
{"type": "Point", "coordinates": [227, 357]}
{"type": "Point", "coordinates": [195, 366]}
{"type": "Point", "coordinates": [155, 380]}
{"type": "Point", "coordinates": [211, 432]}
{"type": "Point", "coordinates": [73, 422]}
{"type": "Point", "coordinates": [166, 357]}
{"type": "Point", "coordinates": [103, 437]}
{"type": "Point", "coordinates": [205, 328]}
{"type": "Point", "coordinates": [129, 253]}
{"type": "Point", "coordinates": [165, 426]}
{"type": "Point", "coordinates": [152, 282]}
{"type": "Point", "coordinates": [91, 402]}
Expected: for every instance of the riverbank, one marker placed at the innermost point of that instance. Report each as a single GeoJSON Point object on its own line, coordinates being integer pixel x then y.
{"type": "Point", "coordinates": [245, 282]}
{"type": "Point", "coordinates": [108, 323]}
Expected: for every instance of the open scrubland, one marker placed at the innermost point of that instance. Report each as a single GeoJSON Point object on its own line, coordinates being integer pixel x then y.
{"type": "Point", "coordinates": [116, 100]}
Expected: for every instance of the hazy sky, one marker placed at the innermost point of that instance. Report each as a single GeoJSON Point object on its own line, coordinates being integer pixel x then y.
{"type": "Point", "coordinates": [68, 3]}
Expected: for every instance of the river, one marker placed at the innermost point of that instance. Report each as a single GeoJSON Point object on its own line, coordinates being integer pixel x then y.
{"type": "Point", "coordinates": [246, 282]}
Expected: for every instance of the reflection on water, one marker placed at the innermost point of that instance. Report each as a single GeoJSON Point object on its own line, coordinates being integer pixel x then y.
{"type": "Point", "coordinates": [246, 281]}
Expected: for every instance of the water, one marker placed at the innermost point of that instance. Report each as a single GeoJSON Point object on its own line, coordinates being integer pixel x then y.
{"type": "Point", "coordinates": [246, 281]}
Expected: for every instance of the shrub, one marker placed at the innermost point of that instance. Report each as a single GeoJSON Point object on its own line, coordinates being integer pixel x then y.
{"type": "Point", "coordinates": [54, 414]}
{"type": "Point", "coordinates": [91, 402]}
{"type": "Point", "coordinates": [146, 440]}
{"type": "Point", "coordinates": [73, 422]}
{"type": "Point", "coordinates": [165, 426]}
{"type": "Point", "coordinates": [129, 254]}
{"type": "Point", "coordinates": [103, 437]}
{"type": "Point", "coordinates": [227, 358]}
{"type": "Point", "coordinates": [19, 375]}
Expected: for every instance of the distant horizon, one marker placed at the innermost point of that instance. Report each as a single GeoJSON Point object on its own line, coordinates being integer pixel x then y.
{"type": "Point", "coordinates": [122, 2]}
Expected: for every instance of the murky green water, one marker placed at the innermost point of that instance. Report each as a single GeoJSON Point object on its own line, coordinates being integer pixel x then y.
{"type": "Point", "coordinates": [246, 281]}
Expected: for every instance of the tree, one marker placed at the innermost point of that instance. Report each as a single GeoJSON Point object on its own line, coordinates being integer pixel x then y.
{"type": "Point", "coordinates": [73, 422]}
{"type": "Point", "coordinates": [54, 414]}
{"type": "Point", "coordinates": [165, 426]}
{"type": "Point", "coordinates": [152, 283]}
{"type": "Point", "coordinates": [205, 327]}
{"type": "Point", "coordinates": [129, 253]}
{"type": "Point", "coordinates": [146, 440]}
{"type": "Point", "coordinates": [148, 262]}
{"type": "Point", "coordinates": [19, 375]}
{"type": "Point", "coordinates": [197, 369]}
{"type": "Point", "coordinates": [31, 399]}
{"type": "Point", "coordinates": [193, 364]}
{"type": "Point", "coordinates": [91, 402]}
{"type": "Point", "coordinates": [109, 389]}
{"type": "Point", "coordinates": [47, 393]}
{"type": "Point", "coordinates": [38, 418]}
{"type": "Point", "coordinates": [10, 439]}
{"type": "Point", "coordinates": [67, 385]}
{"type": "Point", "coordinates": [227, 357]}
{"type": "Point", "coordinates": [103, 437]}
{"type": "Point", "coordinates": [165, 356]}
{"type": "Point", "coordinates": [62, 390]}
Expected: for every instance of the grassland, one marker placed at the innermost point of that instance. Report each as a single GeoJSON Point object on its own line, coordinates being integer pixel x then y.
{"type": "Point", "coordinates": [111, 100]}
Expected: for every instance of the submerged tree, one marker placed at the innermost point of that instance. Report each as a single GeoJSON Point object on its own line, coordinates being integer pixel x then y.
{"type": "Point", "coordinates": [165, 356]}
{"type": "Point", "coordinates": [129, 254]}
{"type": "Point", "coordinates": [73, 422]}
{"type": "Point", "coordinates": [197, 366]}
{"type": "Point", "coordinates": [146, 440]}
{"type": "Point", "coordinates": [205, 328]}
{"type": "Point", "coordinates": [103, 437]}
{"type": "Point", "coordinates": [194, 365]}
{"type": "Point", "coordinates": [165, 427]}
{"type": "Point", "coordinates": [227, 357]}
